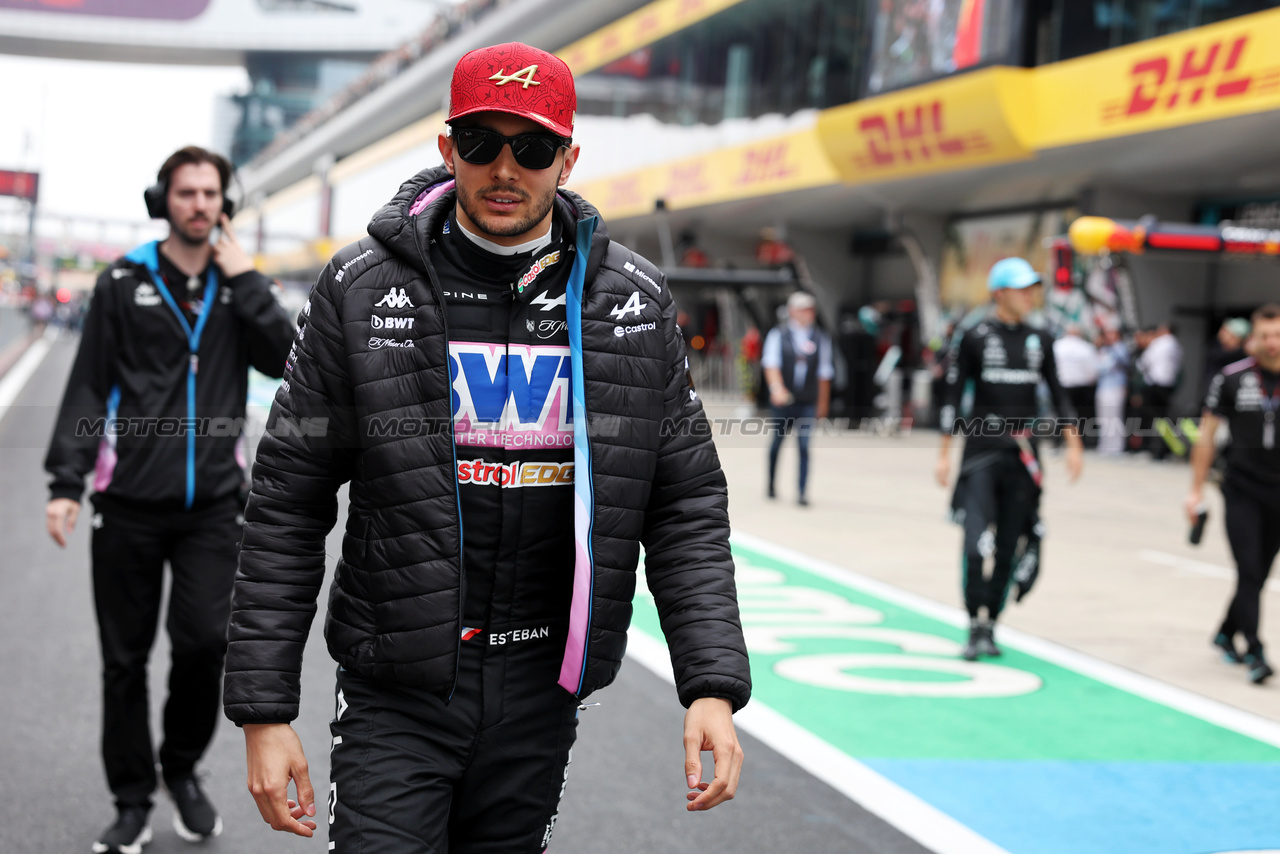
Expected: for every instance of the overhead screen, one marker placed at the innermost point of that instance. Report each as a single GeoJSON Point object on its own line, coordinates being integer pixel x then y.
{"type": "Point", "coordinates": [918, 40]}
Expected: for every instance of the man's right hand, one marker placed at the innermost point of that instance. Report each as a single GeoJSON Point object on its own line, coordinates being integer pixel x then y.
{"type": "Point", "coordinates": [942, 470]}
{"type": "Point", "coordinates": [1193, 503]}
{"type": "Point", "coordinates": [60, 516]}
{"type": "Point", "coordinates": [274, 756]}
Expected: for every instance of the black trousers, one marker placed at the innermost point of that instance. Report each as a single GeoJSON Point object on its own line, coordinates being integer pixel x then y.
{"type": "Point", "coordinates": [1083, 398]}
{"type": "Point", "coordinates": [997, 499]}
{"type": "Point", "coordinates": [480, 774]}
{"type": "Point", "coordinates": [130, 548]}
{"type": "Point", "coordinates": [1253, 529]}
{"type": "Point", "coordinates": [782, 420]}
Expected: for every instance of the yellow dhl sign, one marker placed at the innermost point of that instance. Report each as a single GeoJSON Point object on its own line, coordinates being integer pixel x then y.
{"type": "Point", "coordinates": [775, 165]}
{"type": "Point", "coordinates": [1212, 72]}
{"type": "Point", "coordinates": [954, 124]}
{"type": "Point", "coordinates": [641, 28]}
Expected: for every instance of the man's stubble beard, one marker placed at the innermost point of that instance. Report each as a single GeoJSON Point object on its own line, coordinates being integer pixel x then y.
{"type": "Point", "coordinates": [184, 237]}
{"type": "Point", "coordinates": [466, 201]}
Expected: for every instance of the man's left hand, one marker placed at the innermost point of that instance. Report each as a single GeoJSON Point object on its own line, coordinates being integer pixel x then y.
{"type": "Point", "coordinates": [228, 254]}
{"type": "Point", "coordinates": [1075, 458]}
{"type": "Point", "coordinates": [708, 725]}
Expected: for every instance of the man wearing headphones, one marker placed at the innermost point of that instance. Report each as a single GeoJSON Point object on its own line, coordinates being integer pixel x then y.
{"type": "Point", "coordinates": [155, 408]}
{"type": "Point", "coordinates": [1001, 361]}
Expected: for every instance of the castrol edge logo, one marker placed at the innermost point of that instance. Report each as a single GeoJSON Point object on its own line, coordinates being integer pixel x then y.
{"type": "Point", "coordinates": [514, 475]}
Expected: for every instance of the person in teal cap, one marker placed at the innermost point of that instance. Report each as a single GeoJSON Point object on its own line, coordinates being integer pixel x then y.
{"type": "Point", "coordinates": [1003, 360]}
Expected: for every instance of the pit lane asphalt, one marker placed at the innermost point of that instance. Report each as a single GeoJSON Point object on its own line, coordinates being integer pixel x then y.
{"type": "Point", "coordinates": [625, 788]}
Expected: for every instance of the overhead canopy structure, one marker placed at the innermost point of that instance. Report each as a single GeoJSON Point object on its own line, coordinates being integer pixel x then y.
{"type": "Point", "coordinates": [205, 32]}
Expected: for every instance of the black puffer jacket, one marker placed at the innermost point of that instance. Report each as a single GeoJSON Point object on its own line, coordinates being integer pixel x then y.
{"type": "Point", "coordinates": [355, 407]}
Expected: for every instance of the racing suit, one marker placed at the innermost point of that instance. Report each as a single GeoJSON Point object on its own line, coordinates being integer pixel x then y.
{"type": "Point", "coordinates": [499, 748]}
{"type": "Point", "coordinates": [155, 408]}
{"type": "Point", "coordinates": [997, 494]}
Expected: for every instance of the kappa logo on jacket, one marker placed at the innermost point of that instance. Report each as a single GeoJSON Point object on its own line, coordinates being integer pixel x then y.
{"type": "Point", "coordinates": [394, 299]}
{"type": "Point", "coordinates": [145, 294]}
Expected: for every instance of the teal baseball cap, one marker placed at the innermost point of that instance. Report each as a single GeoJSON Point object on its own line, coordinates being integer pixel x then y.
{"type": "Point", "coordinates": [1015, 273]}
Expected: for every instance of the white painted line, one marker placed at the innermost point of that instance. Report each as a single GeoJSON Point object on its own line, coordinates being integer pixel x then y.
{"type": "Point", "coordinates": [1212, 711]}
{"type": "Point", "coordinates": [12, 383]}
{"type": "Point", "coordinates": [1211, 570]}
{"type": "Point", "coordinates": [878, 795]}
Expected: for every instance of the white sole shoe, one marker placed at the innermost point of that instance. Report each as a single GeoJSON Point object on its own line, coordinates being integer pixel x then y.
{"type": "Point", "coordinates": [190, 835]}
{"type": "Point", "coordinates": [136, 848]}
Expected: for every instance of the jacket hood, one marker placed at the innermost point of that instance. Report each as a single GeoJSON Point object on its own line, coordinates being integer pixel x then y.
{"type": "Point", "coordinates": [405, 224]}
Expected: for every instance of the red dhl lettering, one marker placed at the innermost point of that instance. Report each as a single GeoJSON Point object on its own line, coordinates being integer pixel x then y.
{"type": "Point", "coordinates": [648, 23]}
{"type": "Point", "coordinates": [914, 135]}
{"type": "Point", "coordinates": [624, 191]}
{"type": "Point", "coordinates": [1165, 82]}
{"type": "Point", "coordinates": [690, 7]}
{"type": "Point", "coordinates": [766, 164]}
{"type": "Point", "coordinates": [686, 180]}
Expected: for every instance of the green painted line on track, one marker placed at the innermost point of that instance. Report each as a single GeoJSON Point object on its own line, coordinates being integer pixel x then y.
{"type": "Point", "coordinates": [1068, 716]}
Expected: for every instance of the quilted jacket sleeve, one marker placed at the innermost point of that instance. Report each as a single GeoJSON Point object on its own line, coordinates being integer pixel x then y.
{"type": "Point", "coordinates": [302, 459]}
{"type": "Point", "coordinates": [686, 538]}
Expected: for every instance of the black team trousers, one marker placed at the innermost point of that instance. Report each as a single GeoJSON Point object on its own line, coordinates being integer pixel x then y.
{"type": "Point", "coordinates": [1253, 529]}
{"type": "Point", "coordinates": [998, 500]}
{"type": "Point", "coordinates": [130, 547]}
{"type": "Point", "coordinates": [480, 774]}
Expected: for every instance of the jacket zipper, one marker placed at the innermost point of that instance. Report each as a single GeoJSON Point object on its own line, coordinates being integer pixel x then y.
{"type": "Point", "coordinates": [152, 263]}
{"type": "Point", "coordinates": [453, 450]}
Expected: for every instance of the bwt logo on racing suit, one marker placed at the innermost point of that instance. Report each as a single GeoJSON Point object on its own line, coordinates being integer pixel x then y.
{"type": "Point", "coordinates": [511, 396]}
{"type": "Point", "coordinates": [514, 475]}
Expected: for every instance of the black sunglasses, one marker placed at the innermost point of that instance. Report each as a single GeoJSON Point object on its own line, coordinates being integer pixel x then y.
{"type": "Point", "coordinates": [531, 150]}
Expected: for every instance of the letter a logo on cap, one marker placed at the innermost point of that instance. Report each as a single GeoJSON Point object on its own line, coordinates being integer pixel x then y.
{"type": "Point", "coordinates": [524, 75]}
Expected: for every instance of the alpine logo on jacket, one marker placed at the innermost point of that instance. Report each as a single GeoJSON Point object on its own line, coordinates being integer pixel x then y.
{"type": "Point", "coordinates": [511, 396]}
{"type": "Point", "coordinates": [631, 306]}
{"type": "Point", "coordinates": [394, 299]}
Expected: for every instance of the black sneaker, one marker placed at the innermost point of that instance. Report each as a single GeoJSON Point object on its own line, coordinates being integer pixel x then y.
{"type": "Point", "coordinates": [987, 641]}
{"type": "Point", "coordinates": [194, 817]}
{"type": "Point", "coordinates": [969, 652]}
{"type": "Point", "coordinates": [127, 836]}
{"type": "Point", "coordinates": [802, 501]}
{"type": "Point", "coordinates": [1228, 647]}
{"type": "Point", "coordinates": [1259, 670]}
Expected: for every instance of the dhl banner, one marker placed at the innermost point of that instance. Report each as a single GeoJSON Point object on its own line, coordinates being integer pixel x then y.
{"type": "Point", "coordinates": [642, 27]}
{"type": "Point", "coordinates": [775, 165]}
{"type": "Point", "coordinates": [960, 123]}
{"type": "Point", "coordinates": [1211, 72]}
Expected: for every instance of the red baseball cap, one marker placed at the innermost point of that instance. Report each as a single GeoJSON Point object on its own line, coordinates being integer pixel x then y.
{"type": "Point", "coordinates": [518, 79]}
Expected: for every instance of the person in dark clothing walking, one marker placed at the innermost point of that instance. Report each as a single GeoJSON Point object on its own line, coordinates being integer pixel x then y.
{"type": "Point", "coordinates": [1246, 395]}
{"type": "Point", "coordinates": [506, 391]}
{"type": "Point", "coordinates": [1002, 360]}
{"type": "Point", "coordinates": [797, 369]}
{"type": "Point", "coordinates": [155, 407]}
